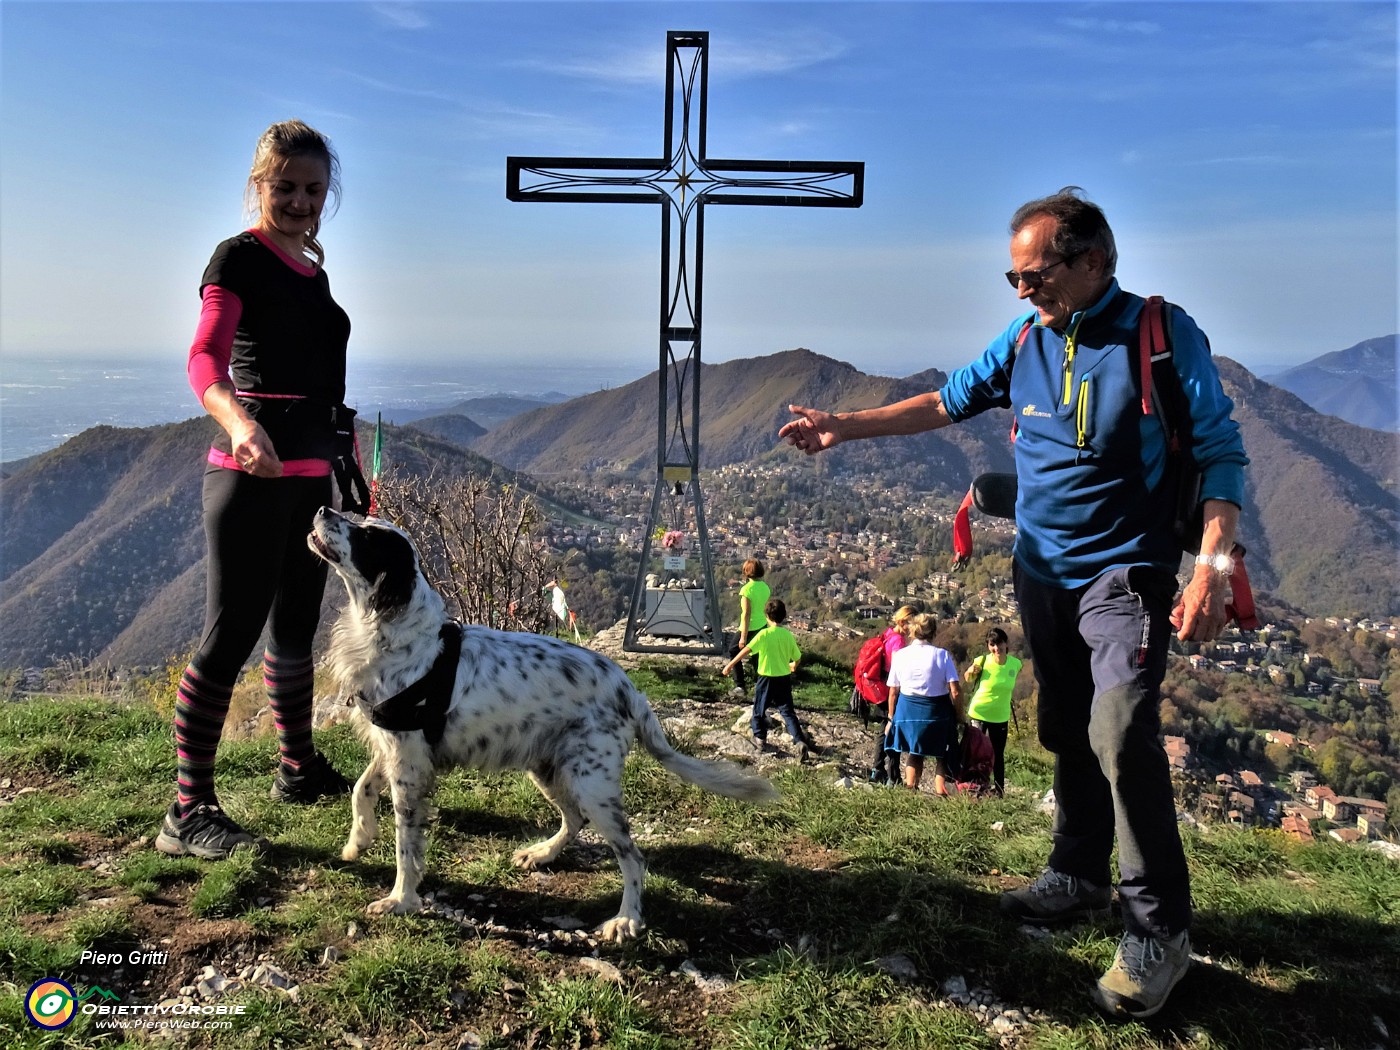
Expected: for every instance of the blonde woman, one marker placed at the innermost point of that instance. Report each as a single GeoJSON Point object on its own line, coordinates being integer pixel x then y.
{"type": "Point", "coordinates": [268, 364]}
{"type": "Point", "coordinates": [884, 764]}
{"type": "Point", "coordinates": [925, 704]}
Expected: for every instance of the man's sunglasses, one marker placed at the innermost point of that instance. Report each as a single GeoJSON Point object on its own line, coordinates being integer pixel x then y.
{"type": "Point", "coordinates": [1035, 278]}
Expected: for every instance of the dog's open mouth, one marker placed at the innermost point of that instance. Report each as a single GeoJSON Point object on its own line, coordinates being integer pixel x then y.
{"type": "Point", "coordinates": [318, 545]}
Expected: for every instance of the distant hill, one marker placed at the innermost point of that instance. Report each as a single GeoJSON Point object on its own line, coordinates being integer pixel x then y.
{"type": "Point", "coordinates": [1356, 384]}
{"type": "Point", "coordinates": [99, 534]}
{"type": "Point", "coordinates": [101, 544]}
{"type": "Point", "coordinates": [486, 412]}
{"type": "Point", "coordinates": [458, 429]}
{"type": "Point", "coordinates": [742, 405]}
{"type": "Point", "coordinates": [1322, 507]}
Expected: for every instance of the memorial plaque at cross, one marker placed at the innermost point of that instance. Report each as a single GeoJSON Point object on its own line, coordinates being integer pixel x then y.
{"type": "Point", "coordinates": [683, 181]}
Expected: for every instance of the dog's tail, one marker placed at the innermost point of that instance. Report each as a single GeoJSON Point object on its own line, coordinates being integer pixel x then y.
{"type": "Point", "coordinates": [723, 778]}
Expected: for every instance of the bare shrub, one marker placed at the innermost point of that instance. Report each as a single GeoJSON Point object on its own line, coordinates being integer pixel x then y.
{"type": "Point", "coordinates": [480, 546]}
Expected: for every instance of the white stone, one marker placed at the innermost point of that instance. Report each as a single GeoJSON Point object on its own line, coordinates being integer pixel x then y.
{"type": "Point", "coordinates": [605, 970]}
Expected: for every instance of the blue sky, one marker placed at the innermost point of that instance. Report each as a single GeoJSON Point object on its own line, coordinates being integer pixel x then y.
{"type": "Point", "coordinates": [1245, 154]}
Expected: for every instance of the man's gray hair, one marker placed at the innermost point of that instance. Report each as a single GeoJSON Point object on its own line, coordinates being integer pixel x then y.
{"type": "Point", "coordinates": [1079, 225]}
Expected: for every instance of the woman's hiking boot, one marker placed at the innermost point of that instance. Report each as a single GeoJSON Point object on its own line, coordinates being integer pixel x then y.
{"type": "Point", "coordinates": [207, 832]}
{"type": "Point", "coordinates": [314, 780]}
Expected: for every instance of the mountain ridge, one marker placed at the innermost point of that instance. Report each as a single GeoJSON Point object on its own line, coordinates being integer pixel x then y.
{"type": "Point", "coordinates": [1357, 384]}
{"type": "Point", "coordinates": [101, 550]}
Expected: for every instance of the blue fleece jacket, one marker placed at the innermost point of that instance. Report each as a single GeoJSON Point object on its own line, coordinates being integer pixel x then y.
{"type": "Point", "coordinates": [1090, 464]}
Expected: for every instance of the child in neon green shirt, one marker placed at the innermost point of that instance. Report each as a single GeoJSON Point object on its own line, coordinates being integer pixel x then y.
{"type": "Point", "coordinates": [778, 657]}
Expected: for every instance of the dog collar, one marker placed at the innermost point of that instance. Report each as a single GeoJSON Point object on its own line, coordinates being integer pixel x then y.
{"type": "Point", "coordinates": [423, 705]}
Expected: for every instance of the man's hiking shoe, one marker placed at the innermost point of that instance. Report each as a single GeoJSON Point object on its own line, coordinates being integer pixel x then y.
{"type": "Point", "coordinates": [207, 832]}
{"type": "Point", "coordinates": [1143, 974]}
{"type": "Point", "coordinates": [759, 742]}
{"type": "Point", "coordinates": [1056, 897]}
{"type": "Point", "coordinates": [316, 779]}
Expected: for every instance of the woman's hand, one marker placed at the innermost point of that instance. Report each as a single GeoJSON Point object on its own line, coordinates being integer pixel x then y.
{"type": "Point", "coordinates": [253, 451]}
{"type": "Point", "coordinates": [251, 447]}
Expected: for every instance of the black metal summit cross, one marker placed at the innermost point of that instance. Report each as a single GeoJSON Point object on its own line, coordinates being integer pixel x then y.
{"type": "Point", "coordinates": [683, 181]}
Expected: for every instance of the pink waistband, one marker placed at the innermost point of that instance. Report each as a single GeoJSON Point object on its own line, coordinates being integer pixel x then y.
{"type": "Point", "coordinates": [291, 468]}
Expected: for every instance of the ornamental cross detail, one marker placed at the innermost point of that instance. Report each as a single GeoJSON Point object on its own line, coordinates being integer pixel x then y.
{"type": "Point", "coordinates": [683, 181]}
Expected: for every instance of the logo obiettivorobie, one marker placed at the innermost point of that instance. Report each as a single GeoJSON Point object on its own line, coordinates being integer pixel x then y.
{"type": "Point", "coordinates": [51, 1003]}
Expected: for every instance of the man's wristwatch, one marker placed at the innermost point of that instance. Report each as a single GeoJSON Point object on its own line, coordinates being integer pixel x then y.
{"type": "Point", "coordinates": [1219, 563]}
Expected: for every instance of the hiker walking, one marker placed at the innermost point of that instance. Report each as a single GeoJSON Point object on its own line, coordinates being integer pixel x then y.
{"type": "Point", "coordinates": [871, 675]}
{"type": "Point", "coordinates": [925, 705]}
{"type": "Point", "coordinates": [268, 363]}
{"type": "Point", "coordinates": [778, 657]}
{"type": "Point", "coordinates": [753, 599]}
{"type": "Point", "coordinates": [1096, 557]}
{"type": "Point", "coordinates": [993, 676]}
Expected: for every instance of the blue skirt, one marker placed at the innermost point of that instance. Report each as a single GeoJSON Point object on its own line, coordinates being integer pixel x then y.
{"type": "Point", "coordinates": [926, 726]}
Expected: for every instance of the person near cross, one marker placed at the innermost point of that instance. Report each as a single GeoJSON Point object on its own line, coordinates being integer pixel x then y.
{"type": "Point", "coordinates": [1094, 569]}
{"type": "Point", "coordinates": [268, 364]}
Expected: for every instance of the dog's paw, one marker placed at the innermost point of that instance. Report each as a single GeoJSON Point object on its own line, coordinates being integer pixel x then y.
{"type": "Point", "coordinates": [394, 906]}
{"type": "Point", "coordinates": [619, 929]}
{"type": "Point", "coordinates": [530, 857]}
{"type": "Point", "coordinates": [350, 852]}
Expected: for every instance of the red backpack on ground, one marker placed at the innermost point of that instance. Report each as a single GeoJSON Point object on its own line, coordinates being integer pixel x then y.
{"type": "Point", "coordinates": [871, 671]}
{"type": "Point", "coordinates": [971, 762]}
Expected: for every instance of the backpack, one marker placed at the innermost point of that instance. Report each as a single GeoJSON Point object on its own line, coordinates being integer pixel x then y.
{"type": "Point", "coordinates": [871, 671]}
{"type": "Point", "coordinates": [971, 762]}
{"type": "Point", "coordinates": [1163, 397]}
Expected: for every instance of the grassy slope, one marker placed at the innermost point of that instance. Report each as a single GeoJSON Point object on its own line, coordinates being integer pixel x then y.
{"type": "Point", "coordinates": [791, 903]}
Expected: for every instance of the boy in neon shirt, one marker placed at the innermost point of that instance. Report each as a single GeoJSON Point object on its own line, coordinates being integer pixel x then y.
{"type": "Point", "coordinates": [778, 657]}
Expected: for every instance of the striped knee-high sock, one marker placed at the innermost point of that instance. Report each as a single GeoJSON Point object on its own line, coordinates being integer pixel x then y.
{"type": "Point", "coordinates": [290, 683]}
{"type": "Point", "coordinates": [200, 709]}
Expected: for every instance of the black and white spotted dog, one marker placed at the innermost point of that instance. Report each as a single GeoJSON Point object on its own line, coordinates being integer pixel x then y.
{"type": "Point", "coordinates": [564, 714]}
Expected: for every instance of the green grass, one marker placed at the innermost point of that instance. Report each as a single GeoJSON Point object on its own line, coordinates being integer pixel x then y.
{"type": "Point", "coordinates": [584, 1012]}
{"type": "Point", "coordinates": [794, 904]}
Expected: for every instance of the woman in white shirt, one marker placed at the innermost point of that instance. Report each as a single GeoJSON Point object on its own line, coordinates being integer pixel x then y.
{"type": "Point", "coordinates": [925, 704]}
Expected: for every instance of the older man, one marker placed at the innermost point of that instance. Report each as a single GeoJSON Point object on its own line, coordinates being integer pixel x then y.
{"type": "Point", "coordinates": [1095, 569]}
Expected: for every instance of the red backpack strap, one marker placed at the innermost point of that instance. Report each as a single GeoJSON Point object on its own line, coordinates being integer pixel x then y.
{"type": "Point", "coordinates": [1240, 607]}
{"type": "Point", "coordinates": [1152, 340]}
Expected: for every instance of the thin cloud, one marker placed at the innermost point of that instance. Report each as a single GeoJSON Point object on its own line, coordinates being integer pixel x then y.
{"type": "Point", "coordinates": [397, 89]}
{"type": "Point", "coordinates": [400, 15]}
{"type": "Point", "coordinates": [775, 55]}
{"type": "Point", "coordinates": [1139, 27]}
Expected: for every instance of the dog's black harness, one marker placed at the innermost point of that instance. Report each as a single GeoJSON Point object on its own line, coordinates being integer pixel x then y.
{"type": "Point", "coordinates": [423, 705]}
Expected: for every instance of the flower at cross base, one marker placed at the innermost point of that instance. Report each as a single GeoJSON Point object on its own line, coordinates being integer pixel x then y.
{"type": "Point", "coordinates": [673, 540]}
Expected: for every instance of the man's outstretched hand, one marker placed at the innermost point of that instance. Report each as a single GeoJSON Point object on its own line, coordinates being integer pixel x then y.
{"type": "Point", "coordinates": [812, 431]}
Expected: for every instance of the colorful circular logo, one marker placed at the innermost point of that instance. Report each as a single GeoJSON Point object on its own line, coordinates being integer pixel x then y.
{"type": "Point", "coordinates": [51, 1003]}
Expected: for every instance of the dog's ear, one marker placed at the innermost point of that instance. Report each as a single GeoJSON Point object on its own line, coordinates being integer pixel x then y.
{"type": "Point", "coordinates": [385, 559]}
{"type": "Point", "coordinates": [392, 590]}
